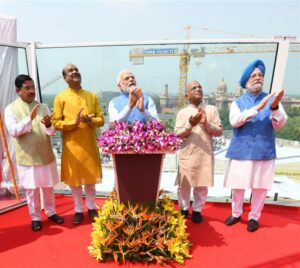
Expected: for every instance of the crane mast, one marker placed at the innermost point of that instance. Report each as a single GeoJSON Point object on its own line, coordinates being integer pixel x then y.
{"type": "Point", "coordinates": [183, 70]}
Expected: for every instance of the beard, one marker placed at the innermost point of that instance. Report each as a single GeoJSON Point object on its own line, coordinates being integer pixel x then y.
{"type": "Point", "coordinates": [256, 88]}
{"type": "Point", "coordinates": [126, 89]}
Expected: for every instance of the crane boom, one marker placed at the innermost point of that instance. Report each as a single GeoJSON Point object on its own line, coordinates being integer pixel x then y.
{"type": "Point", "coordinates": [137, 56]}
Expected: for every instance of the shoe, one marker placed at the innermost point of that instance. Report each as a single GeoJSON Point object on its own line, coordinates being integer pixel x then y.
{"type": "Point", "coordinates": [252, 225]}
{"type": "Point", "coordinates": [92, 214]}
{"type": "Point", "coordinates": [184, 213]}
{"type": "Point", "coordinates": [231, 220]}
{"type": "Point", "coordinates": [197, 217]}
{"type": "Point", "coordinates": [78, 218]}
{"type": "Point", "coordinates": [56, 218]}
{"type": "Point", "coordinates": [36, 226]}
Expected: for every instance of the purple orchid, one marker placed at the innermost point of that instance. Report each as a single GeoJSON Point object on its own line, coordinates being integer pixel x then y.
{"type": "Point", "coordinates": [138, 138]}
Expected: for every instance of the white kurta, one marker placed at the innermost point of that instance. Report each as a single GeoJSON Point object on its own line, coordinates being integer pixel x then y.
{"type": "Point", "coordinates": [31, 177]}
{"type": "Point", "coordinates": [244, 174]}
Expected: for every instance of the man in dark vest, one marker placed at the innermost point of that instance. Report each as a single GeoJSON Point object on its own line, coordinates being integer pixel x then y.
{"type": "Point", "coordinates": [254, 116]}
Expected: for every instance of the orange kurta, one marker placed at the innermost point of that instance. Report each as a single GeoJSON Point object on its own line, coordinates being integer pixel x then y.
{"type": "Point", "coordinates": [196, 155]}
{"type": "Point", "coordinates": [80, 161]}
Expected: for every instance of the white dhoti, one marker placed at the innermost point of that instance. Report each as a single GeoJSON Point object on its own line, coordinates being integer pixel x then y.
{"type": "Point", "coordinates": [245, 174]}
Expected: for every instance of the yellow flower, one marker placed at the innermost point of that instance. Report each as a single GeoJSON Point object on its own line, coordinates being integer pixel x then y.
{"type": "Point", "coordinates": [137, 234]}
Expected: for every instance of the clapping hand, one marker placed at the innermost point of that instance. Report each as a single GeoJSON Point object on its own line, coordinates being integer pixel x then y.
{"type": "Point", "coordinates": [263, 102]}
{"type": "Point", "coordinates": [134, 95]}
{"type": "Point", "coordinates": [87, 118]}
{"type": "Point", "coordinates": [278, 96]}
{"type": "Point", "coordinates": [203, 118]}
{"type": "Point", "coordinates": [46, 120]}
{"type": "Point", "coordinates": [194, 120]}
{"type": "Point", "coordinates": [140, 101]}
{"type": "Point", "coordinates": [200, 117]}
{"type": "Point", "coordinates": [78, 117]}
{"type": "Point", "coordinates": [34, 112]}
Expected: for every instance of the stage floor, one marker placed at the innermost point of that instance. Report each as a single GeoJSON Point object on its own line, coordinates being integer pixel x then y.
{"type": "Point", "coordinates": [275, 244]}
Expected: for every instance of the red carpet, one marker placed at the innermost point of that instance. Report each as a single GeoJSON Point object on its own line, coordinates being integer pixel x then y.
{"type": "Point", "coordinates": [7, 204]}
{"type": "Point", "coordinates": [275, 244]}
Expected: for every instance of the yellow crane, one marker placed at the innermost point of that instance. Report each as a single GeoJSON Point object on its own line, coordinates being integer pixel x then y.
{"type": "Point", "coordinates": [183, 69]}
{"type": "Point", "coordinates": [137, 55]}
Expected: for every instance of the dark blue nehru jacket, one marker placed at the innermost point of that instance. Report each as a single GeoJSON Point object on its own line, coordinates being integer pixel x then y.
{"type": "Point", "coordinates": [255, 140]}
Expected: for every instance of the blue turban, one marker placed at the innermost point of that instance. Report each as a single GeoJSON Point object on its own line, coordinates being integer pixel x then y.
{"type": "Point", "coordinates": [249, 70]}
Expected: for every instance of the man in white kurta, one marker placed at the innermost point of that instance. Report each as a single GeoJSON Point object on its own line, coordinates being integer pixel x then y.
{"type": "Point", "coordinates": [132, 104]}
{"type": "Point", "coordinates": [254, 116]}
{"type": "Point", "coordinates": [196, 124]}
{"type": "Point", "coordinates": [29, 123]}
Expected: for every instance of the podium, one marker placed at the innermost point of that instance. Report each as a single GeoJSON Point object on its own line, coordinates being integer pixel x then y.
{"type": "Point", "coordinates": [138, 178]}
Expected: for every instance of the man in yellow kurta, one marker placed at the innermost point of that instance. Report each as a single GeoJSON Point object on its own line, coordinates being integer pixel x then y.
{"type": "Point", "coordinates": [196, 124]}
{"type": "Point", "coordinates": [77, 113]}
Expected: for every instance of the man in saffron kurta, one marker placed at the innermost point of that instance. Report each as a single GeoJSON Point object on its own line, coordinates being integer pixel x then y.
{"type": "Point", "coordinates": [77, 113]}
{"type": "Point", "coordinates": [29, 123]}
{"type": "Point", "coordinates": [254, 116]}
{"type": "Point", "coordinates": [196, 124]}
{"type": "Point", "coordinates": [132, 104]}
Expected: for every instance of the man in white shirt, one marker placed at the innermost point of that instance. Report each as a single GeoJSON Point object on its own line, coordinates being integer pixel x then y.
{"type": "Point", "coordinates": [29, 122]}
{"type": "Point", "coordinates": [132, 104]}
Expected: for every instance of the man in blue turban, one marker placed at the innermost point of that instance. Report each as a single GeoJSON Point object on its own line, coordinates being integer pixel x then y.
{"type": "Point", "coordinates": [254, 116]}
{"type": "Point", "coordinates": [249, 70]}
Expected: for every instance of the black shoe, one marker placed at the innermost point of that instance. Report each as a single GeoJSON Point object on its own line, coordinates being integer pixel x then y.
{"type": "Point", "coordinates": [36, 226]}
{"type": "Point", "coordinates": [231, 220]}
{"type": "Point", "coordinates": [252, 225]}
{"type": "Point", "coordinates": [92, 214]}
{"type": "Point", "coordinates": [184, 213]}
{"type": "Point", "coordinates": [56, 218]}
{"type": "Point", "coordinates": [78, 218]}
{"type": "Point", "coordinates": [197, 217]}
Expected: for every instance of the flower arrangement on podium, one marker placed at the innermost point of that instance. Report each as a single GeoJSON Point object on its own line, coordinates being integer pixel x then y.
{"type": "Point", "coordinates": [136, 225]}
{"type": "Point", "coordinates": [138, 138]}
{"type": "Point", "coordinates": [135, 234]}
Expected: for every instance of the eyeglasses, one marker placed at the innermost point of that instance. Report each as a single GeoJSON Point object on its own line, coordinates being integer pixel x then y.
{"type": "Point", "coordinates": [27, 88]}
{"type": "Point", "coordinates": [259, 75]}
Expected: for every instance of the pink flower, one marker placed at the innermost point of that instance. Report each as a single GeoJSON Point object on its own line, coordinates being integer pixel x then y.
{"type": "Point", "coordinates": [138, 138]}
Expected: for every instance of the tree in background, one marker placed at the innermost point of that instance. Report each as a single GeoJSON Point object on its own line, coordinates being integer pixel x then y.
{"type": "Point", "coordinates": [291, 130]}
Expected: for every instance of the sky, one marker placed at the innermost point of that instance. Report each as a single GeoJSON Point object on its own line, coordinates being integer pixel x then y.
{"type": "Point", "coordinates": [84, 21]}
{"type": "Point", "coordinates": [63, 22]}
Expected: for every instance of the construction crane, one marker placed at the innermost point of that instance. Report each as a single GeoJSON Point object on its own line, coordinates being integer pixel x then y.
{"type": "Point", "coordinates": [137, 55]}
{"type": "Point", "coordinates": [184, 68]}
{"type": "Point", "coordinates": [50, 82]}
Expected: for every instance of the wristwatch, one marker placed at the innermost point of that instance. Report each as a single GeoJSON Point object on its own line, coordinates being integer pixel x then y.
{"type": "Point", "coordinates": [274, 108]}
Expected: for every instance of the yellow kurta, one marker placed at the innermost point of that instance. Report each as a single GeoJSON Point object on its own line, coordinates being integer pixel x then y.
{"type": "Point", "coordinates": [196, 156]}
{"type": "Point", "coordinates": [80, 161]}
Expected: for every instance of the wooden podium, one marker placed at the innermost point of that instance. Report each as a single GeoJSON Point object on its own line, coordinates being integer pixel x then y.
{"type": "Point", "coordinates": [138, 178]}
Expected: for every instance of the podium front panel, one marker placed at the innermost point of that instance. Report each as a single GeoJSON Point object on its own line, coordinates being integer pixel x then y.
{"type": "Point", "coordinates": [138, 177]}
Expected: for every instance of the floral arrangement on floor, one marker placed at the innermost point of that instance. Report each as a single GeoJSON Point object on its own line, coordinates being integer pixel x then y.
{"type": "Point", "coordinates": [135, 234]}
{"type": "Point", "coordinates": [138, 138]}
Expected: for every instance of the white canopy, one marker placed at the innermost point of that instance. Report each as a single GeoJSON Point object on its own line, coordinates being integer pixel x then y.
{"type": "Point", "coordinates": [8, 72]}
